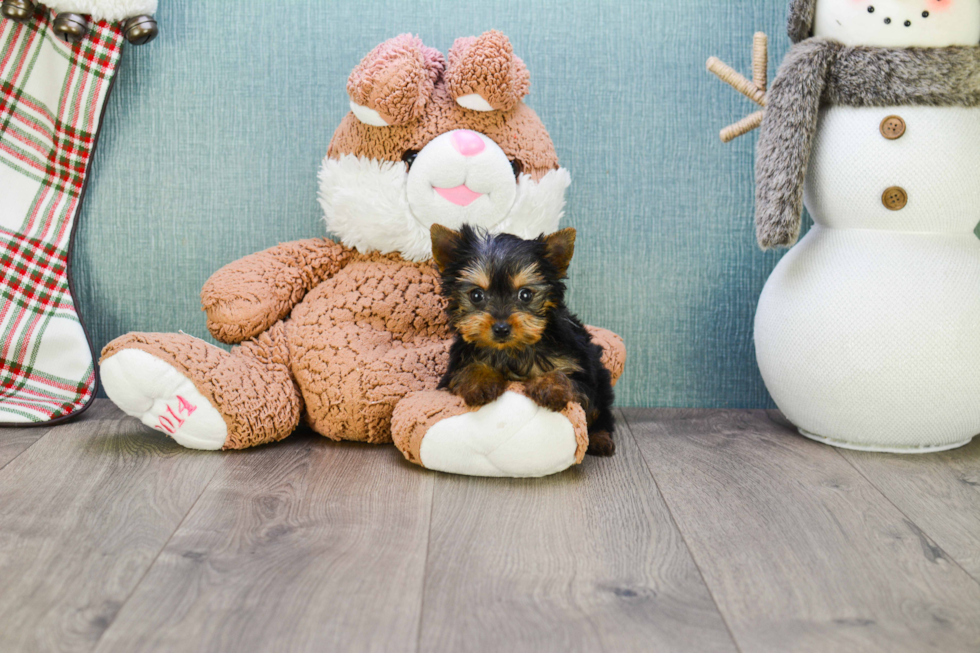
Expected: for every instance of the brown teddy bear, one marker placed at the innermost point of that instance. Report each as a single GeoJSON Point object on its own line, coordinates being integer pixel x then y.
{"type": "Point", "coordinates": [351, 336]}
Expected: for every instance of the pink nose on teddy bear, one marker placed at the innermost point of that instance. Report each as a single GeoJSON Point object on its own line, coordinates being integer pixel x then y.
{"type": "Point", "coordinates": [468, 143]}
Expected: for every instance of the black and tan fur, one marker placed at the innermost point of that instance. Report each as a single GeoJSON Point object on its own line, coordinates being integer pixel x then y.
{"type": "Point", "coordinates": [506, 304]}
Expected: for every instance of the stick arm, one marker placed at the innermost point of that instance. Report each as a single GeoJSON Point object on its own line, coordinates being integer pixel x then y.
{"type": "Point", "coordinates": [754, 89]}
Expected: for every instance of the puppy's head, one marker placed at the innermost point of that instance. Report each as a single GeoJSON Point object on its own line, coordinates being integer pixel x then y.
{"type": "Point", "coordinates": [501, 289]}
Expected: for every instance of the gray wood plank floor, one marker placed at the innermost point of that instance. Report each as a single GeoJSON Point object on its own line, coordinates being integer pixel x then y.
{"type": "Point", "coordinates": [802, 552]}
{"type": "Point", "coordinates": [307, 545]}
{"type": "Point", "coordinates": [708, 531]}
{"type": "Point", "coordinates": [589, 560]}
{"type": "Point", "coordinates": [15, 441]}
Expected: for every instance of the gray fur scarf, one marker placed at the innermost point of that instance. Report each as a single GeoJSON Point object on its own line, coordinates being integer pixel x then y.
{"type": "Point", "coordinates": [818, 72]}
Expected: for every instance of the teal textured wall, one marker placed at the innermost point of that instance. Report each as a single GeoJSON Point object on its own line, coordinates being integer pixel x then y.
{"type": "Point", "coordinates": [215, 131]}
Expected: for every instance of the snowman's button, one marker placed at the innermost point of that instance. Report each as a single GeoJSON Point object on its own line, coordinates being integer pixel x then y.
{"type": "Point", "coordinates": [895, 198]}
{"type": "Point", "coordinates": [893, 128]}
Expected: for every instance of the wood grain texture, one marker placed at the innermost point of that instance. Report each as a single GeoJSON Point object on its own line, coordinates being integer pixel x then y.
{"type": "Point", "coordinates": [800, 551]}
{"type": "Point", "coordinates": [14, 441]}
{"type": "Point", "coordinates": [113, 538]}
{"type": "Point", "coordinates": [588, 560]}
{"type": "Point", "coordinates": [940, 492]}
{"type": "Point", "coordinates": [304, 545]}
{"type": "Point", "coordinates": [83, 514]}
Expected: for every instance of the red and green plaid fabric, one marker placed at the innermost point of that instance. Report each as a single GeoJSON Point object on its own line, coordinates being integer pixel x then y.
{"type": "Point", "coordinates": [51, 100]}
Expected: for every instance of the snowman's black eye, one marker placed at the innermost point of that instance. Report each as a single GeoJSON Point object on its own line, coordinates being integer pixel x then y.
{"type": "Point", "coordinates": [871, 9]}
{"type": "Point", "coordinates": [908, 23]}
{"type": "Point", "coordinates": [409, 157]}
{"type": "Point", "coordinates": [517, 166]}
{"type": "Point", "coordinates": [925, 14]}
{"type": "Point", "coordinates": [888, 21]}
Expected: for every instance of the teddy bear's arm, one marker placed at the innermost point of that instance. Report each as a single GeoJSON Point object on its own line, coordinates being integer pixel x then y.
{"type": "Point", "coordinates": [246, 297]}
{"type": "Point", "coordinates": [613, 350]}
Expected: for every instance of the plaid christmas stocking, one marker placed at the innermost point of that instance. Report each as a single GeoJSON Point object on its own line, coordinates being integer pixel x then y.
{"type": "Point", "coordinates": [51, 101]}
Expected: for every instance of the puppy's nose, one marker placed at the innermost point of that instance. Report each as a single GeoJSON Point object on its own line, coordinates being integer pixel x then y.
{"type": "Point", "coordinates": [501, 330]}
{"type": "Point", "coordinates": [468, 143]}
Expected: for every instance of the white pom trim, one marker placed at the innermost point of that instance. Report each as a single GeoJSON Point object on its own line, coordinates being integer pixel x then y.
{"type": "Point", "coordinates": [367, 115]}
{"type": "Point", "coordinates": [474, 102]}
{"type": "Point", "coordinates": [111, 10]}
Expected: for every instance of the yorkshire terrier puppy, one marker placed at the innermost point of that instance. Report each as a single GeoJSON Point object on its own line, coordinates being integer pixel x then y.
{"type": "Point", "coordinates": [507, 307]}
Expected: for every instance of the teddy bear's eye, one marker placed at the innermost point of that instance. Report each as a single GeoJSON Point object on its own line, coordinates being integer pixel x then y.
{"type": "Point", "coordinates": [409, 157]}
{"type": "Point", "coordinates": [517, 166]}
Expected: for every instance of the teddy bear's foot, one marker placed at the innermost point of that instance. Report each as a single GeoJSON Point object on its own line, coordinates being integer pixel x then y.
{"type": "Point", "coordinates": [156, 394]}
{"type": "Point", "coordinates": [202, 396]}
{"type": "Point", "coordinates": [511, 437]}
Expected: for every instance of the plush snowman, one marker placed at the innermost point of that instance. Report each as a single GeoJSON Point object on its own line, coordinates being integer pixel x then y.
{"type": "Point", "coordinates": [868, 330]}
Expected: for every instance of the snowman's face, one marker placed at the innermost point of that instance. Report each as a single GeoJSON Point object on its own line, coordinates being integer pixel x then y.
{"type": "Point", "coordinates": [899, 23]}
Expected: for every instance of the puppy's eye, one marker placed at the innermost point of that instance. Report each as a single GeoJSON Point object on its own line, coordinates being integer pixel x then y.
{"type": "Point", "coordinates": [409, 157]}
{"type": "Point", "coordinates": [477, 296]}
{"type": "Point", "coordinates": [517, 166]}
{"type": "Point", "coordinates": [525, 295]}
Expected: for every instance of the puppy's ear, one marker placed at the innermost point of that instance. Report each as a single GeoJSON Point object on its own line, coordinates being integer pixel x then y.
{"type": "Point", "coordinates": [559, 248]}
{"type": "Point", "coordinates": [444, 245]}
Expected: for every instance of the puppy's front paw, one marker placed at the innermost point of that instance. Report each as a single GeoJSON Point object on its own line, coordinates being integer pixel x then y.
{"type": "Point", "coordinates": [481, 394]}
{"type": "Point", "coordinates": [478, 385]}
{"type": "Point", "coordinates": [552, 391]}
{"type": "Point", "coordinates": [601, 444]}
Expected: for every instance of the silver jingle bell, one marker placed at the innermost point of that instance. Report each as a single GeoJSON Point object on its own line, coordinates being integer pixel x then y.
{"type": "Point", "coordinates": [19, 11]}
{"type": "Point", "coordinates": [70, 28]}
{"type": "Point", "coordinates": [140, 30]}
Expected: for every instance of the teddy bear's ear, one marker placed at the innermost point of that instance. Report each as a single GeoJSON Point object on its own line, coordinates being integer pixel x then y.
{"type": "Point", "coordinates": [484, 74]}
{"type": "Point", "coordinates": [392, 85]}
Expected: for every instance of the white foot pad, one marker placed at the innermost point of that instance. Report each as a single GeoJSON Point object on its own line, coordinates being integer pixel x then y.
{"type": "Point", "coordinates": [512, 437]}
{"type": "Point", "coordinates": [155, 393]}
